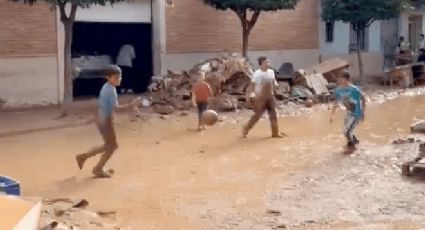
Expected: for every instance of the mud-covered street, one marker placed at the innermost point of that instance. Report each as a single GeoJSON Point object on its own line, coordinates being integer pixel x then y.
{"type": "Point", "coordinates": [169, 177]}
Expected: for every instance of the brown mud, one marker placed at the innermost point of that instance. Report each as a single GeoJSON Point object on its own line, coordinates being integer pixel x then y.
{"type": "Point", "coordinates": [168, 177]}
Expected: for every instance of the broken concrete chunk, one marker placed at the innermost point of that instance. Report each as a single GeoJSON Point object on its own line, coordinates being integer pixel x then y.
{"type": "Point", "coordinates": [418, 127]}
{"type": "Point", "coordinates": [164, 109]}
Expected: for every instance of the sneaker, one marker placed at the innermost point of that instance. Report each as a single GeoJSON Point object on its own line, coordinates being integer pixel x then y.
{"type": "Point", "coordinates": [356, 141]}
{"type": "Point", "coordinates": [351, 144]}
{"type": "Point", "coordinates": [100, 173]}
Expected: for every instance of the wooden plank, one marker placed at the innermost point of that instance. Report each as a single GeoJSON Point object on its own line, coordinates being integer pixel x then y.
{"type": "Point", "coordinates": [328, 66]}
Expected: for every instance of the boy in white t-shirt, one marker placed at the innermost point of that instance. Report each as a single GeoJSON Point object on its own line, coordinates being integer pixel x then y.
{"type": "Point", "coordinates": [261, 94]}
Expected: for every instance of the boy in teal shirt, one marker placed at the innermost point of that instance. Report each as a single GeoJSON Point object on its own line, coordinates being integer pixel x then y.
{"type": "Point", "coordinates": [354, 101]}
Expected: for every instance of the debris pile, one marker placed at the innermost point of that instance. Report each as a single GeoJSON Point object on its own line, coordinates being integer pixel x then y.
{"type": "Point", "coordinates": [229, 78]}
{"type": "Point", "coordinates": [67, 214]}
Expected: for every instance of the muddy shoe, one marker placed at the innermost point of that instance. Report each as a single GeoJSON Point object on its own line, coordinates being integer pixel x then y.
{"type": "Point", "coordinates": [356, 141]}
{"type": "Point", "coordinates": [80, 160]}
{"type": "Point", "coordinates": [99, 173]}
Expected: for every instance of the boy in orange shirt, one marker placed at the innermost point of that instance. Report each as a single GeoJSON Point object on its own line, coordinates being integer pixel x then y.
{"type": "Point", "coordinates": [201, 91]}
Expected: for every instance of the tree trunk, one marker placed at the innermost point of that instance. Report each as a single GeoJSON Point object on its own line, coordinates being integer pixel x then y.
{"type": "Point", "coordinates": [245, 40]}
{"type": "Point", "coordinates": [359, 57]}
{"type": "Point", "coordinates": [68, 23]}
{"type": "Point", "coordinates": [67, 97]}
{"type": "Point", "coordinates": [247, 26]}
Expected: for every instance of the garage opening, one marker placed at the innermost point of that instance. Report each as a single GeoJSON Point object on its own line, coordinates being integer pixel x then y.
{"type": "Point", "coordinates": [97, 44]}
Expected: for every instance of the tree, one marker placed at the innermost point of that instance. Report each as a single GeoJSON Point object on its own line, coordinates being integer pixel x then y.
{"type": "Point", "coordinates": [244, 8]}
{"type": "Point", "coordinates": [68, 20]}
{"type": "Point", "coordinates": [361, 14]}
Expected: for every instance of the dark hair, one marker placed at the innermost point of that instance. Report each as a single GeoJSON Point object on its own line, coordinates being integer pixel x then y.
{"type": "Point", "coordinates": [112, 70]}
{"type": "Point", "coordinates": [422, 35]}
{"type": "Point", "coordinates": [345, 75]}
{"type": "Point", "coordinates": [401, 37]}
{"type": "Point", "coordinates": [262, 59]}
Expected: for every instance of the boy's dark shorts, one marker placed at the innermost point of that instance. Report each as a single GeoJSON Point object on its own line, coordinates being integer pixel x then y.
{"type": "Point", "coordinates": [202, 106]}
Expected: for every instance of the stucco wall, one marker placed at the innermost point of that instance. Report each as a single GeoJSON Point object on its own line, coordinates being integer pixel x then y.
{"type": "Point", "coordinates": [339, 48]}
{"type": "Point", "coordinates": [342, 38]}
{"type": "Point", "coordinates": [28, 81]}
{"type": "Point", "coordinates": [300, 58]}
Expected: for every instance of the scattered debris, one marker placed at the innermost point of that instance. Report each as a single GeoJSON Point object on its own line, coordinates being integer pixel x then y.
{"type": "Point", "coordinates": [418, 127]}
{"type": "Point", "coordinates": [273, 212]}
{"type": "Point", "coordinates": [406, 140]}
{"type": "Point", "coordinates": [330, 69]}
{"type": "Point", "coordinates": [229, 78]}
{"type": "Point", "coordinates": [67, 214]}
{"type": "Point", "coordinates": [164, 109]}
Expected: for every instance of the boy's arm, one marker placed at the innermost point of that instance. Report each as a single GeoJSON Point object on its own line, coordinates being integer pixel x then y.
{"type": "Point", "coordinates": [250, 89]}
{"type": "Point", "coordinates": [193, 98]}
{"type": "Point", "coordinates": [210, 92]}
{"type": "Point", "coordinates": [124, 107]}
{"type": "Point", "coordinates": [333, 110]}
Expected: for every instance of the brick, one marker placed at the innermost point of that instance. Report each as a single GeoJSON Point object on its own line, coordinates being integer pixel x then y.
{"type": "Point", "coordinates": [194, 27]}
{"type": "Point", "coordinates": [27, 30]}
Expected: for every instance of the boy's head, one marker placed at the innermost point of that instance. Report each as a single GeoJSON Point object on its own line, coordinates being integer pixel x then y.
{"type": "Point", "coordinates": [344, 79]}
{"type": "Point", "coordinates": [201, 76]}
{"type": "Point", "coordinates": [113, 75]}
{"type": "Point", "coordinates": [422, 36]}
{"type": "Point", "coordinates": [263, 62]}
{"type": "Point", "coordinates": [401, 38]}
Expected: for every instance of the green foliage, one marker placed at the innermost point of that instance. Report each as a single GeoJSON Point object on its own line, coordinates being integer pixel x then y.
{"type": "Point", "coordinates": [253, 5]}
{"type": "Point", "coordinates": [361, 12]}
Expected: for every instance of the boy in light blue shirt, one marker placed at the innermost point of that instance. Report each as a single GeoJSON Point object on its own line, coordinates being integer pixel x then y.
{"type": "Point", "coordinates": [107, 103]}
{"type": "Point", "coordinates": [354, 101]}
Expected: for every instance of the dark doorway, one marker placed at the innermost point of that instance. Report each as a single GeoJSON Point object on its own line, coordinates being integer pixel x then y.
{"type": "Point", "coordinates": [96, 44]}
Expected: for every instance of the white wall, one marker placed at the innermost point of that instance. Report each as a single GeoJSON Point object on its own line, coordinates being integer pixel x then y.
{"type": "Point", "coordinates": [158, 37]}
{"type": "Point", "coordinates": [403, 22]}
{"type": "Point", "coordinates": [339, 48]}
{"type": "Point", "coordinates": [342, 38]}
{"type": "Point", "coordinates": [134, 11]}
{"type": "Point", "coordinates": [29, 81]}
{"type": "Point", "coordinates": [375, 37]}
{"type": "Point", "coordinates": [300, 58]}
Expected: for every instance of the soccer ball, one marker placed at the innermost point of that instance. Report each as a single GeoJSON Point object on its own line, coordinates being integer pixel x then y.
{"type": "Point", "coordinates": [209, 117]}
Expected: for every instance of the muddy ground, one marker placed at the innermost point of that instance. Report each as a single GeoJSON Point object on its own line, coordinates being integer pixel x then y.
{"type": "Point", "coordinates": [170, 177]}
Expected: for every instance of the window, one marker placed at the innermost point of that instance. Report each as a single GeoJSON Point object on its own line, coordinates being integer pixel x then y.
{"type": "Point", "coordinates": [363, 42]}
{"type": "Point", "coordinates": [329, 31]}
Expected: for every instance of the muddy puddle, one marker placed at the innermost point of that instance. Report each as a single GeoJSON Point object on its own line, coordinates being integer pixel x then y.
{"type": "Point", "coordinates": [168, 177]}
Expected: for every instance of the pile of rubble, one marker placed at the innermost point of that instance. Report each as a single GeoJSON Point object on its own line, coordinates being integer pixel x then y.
{"type": "Point", "coordinates": [229, 78]}
{"type": "Point", "coordinates": [67, 214]}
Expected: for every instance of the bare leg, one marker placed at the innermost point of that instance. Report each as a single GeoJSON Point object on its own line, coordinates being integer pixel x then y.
{"type": "Point", "coordinates": [81, 158]}
{"type": "Point", "coordinates": [259, 110]}
{"type": "Point", "coordinates": [271, 109]}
